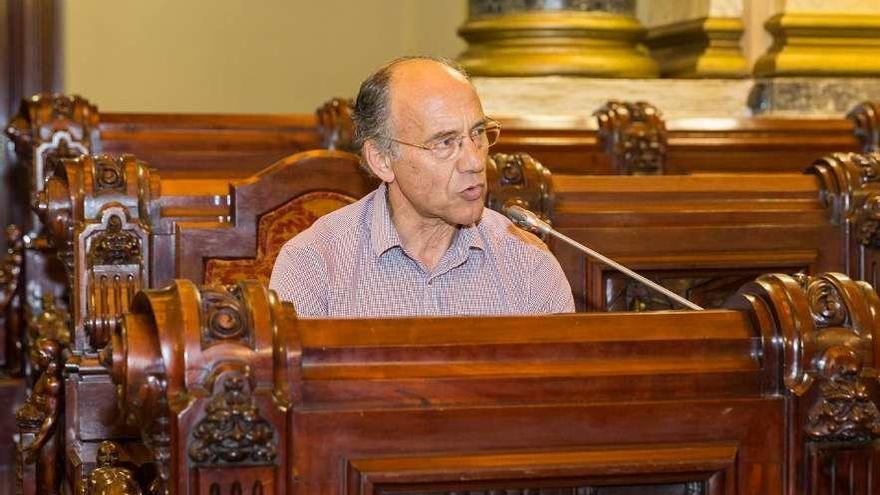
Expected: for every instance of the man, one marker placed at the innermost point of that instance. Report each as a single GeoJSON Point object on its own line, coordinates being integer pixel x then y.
{"type": "Point", "coordinates": [422, 243]}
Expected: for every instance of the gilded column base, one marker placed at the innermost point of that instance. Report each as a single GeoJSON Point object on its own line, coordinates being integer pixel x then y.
{"type": "Point", "coordinates": [811, 96]}
{"type": "Point", "coordinates": [594, 44]}
{"type": "Point", "coordinates": [699, 48]}
{"type": "Point", "coordinates": [822, 45]}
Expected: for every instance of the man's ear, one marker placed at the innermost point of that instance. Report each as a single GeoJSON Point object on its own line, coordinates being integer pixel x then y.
{"type": "Point", "coordinates": [378, 161]}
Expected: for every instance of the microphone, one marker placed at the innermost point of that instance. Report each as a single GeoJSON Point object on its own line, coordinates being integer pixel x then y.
{"type": "Point", "coordinates": [527, 220]}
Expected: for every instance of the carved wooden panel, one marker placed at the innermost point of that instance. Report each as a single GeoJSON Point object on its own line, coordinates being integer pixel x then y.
{"type": "Point", "coordinates": [698, 469]}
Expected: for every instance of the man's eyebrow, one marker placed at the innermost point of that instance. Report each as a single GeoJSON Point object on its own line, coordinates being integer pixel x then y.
{"type": "Point", "coordinates": [442, 134]}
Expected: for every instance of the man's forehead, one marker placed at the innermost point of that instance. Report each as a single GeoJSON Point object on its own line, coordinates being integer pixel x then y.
{"type": "Point", "coordinates": [428, 88]}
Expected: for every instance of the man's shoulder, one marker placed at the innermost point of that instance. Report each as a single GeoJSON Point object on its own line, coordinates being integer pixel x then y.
{"type": "Point", "coordinates": [507, 237]}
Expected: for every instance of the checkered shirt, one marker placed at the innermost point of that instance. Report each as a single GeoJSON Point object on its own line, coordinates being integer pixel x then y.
{"type": "Point", "coordinates": [350, 263]}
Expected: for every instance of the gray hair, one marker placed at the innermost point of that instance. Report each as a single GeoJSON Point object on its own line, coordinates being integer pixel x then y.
{"type": "Point", "coordinates": [371, 112]}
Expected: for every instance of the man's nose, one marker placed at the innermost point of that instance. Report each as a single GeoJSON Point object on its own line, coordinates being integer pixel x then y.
{"type": "Point", "coordinates": [472, 157]}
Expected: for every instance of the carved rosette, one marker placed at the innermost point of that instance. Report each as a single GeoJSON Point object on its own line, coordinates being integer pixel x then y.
{"type": "Point", "coordinates": [866, 122]}
{"type": "Point", "coordinates": [232, 430]}
{"type": "Point", "coordinates": [634, 135]}
{"type": "Point", "coordinates": [521, 180]}
{"type": "Point", "coordinates": [225, 318]}
{"type": "Point", "coordinates": [335, 125]}
{"type": "Point", "coordinates": [51, 127]}
{"type": "Point", "coordinates": [826, 329]}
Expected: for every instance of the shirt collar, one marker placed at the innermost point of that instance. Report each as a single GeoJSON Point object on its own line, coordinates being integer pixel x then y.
{"type": "Point", "coordinates": [384, 236]}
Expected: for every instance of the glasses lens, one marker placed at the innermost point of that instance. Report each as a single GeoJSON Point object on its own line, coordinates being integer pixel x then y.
{"type": "Point", "coordinates": [492, 134]}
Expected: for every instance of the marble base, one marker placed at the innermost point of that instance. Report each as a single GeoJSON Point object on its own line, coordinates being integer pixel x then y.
{"type": "Point", "coordinates": [811, 96]}
{"type": "Point", "coordinates": [571, 101]}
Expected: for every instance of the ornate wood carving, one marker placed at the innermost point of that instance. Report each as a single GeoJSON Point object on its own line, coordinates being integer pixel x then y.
{"type": "Point", "coordinates": [335, 125]}
{"type": "Point", "coordinates": [230, 416]}
{"type": "Point", "coordinates": [50, 322]}
{"type": "Point", "coordinates": [50, 127]}
{"type": "Point", "coordinates": [110, 477]}
{"type": "Point", "coordinates": [10, 296]}
{"type": "Point", "coordinates": [866, 120]}
{"type": "Point", "coordinates": [850, 186]}
{"type": "Point", "coordinates": [97, 211]}
{"type": "Point", "coordinates": [38, 419]}
{"type": "Point", "coordinates": [519, 179]}
{"type": "Point", "coordinates": [827, 357]}
{"type": "Point", "coordinates": [634, 135]}
{"type": "Point", "coordinates": [224, 318]}
{"type": "Point", "coordinates": [232, 430]}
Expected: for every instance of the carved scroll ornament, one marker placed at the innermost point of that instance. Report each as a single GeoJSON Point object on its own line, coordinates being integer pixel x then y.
{"type": "Point", "coordinates": [229, 415]}
{"type": "Point", "coordinates": [828, 357]}
{"type": "Point", "coordinates": [866, 125]}
{"type": "Point", "coordinates": [850, 188]}
{"type": "Point", "coordinates": [634, 135]}
{"type": "Point", "coordinates": [225, 319]}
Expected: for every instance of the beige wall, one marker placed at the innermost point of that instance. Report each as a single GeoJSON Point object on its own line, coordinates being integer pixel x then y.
{"type": "Point", "coordinates": [243, 56]}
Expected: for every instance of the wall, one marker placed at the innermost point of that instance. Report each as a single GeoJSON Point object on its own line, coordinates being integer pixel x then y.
{"type": "Point", "coordinates": [240, 56]}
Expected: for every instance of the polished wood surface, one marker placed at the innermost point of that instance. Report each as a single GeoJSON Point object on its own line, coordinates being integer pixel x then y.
{"type": "Point", "coordinates": [722, 401]}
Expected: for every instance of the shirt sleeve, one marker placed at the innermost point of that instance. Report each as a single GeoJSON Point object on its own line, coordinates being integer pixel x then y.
{"type": "Point", "coordinates": [551, 291]}
{"type": "Point", "coordinates": [300, 277]}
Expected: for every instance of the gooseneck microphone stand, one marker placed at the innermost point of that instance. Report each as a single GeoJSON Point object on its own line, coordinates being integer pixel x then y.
{"type": "Point", "coordinates": [529, 221]}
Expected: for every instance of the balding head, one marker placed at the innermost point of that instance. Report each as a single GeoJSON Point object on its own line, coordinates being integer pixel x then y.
{"type": "Point", "coordinates": [372, 108]}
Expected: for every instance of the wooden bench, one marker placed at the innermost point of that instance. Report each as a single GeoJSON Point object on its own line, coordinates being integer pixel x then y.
{"type": "Point", "coordinates": [231, 393]}
{"type": "Point", "coordinates": [704, 235]}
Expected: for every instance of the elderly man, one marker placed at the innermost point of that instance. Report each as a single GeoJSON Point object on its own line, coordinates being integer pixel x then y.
{"type": "Point", "coordinates": [422, 243]}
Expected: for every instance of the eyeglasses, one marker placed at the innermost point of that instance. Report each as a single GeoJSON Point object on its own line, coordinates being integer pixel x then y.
{"type": "Point", "coordinates": [443, 149]}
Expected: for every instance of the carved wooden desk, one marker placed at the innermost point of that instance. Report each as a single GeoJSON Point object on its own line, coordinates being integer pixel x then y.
{"type": "Point", "coordinates": [231, 393]}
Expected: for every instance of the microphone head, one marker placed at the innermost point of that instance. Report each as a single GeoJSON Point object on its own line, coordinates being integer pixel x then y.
{"type": "Point", "coordinates": [526, 219]}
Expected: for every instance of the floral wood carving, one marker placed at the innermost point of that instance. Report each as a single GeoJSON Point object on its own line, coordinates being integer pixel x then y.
{"type": "Point", "coordinates": [634, 135]}
{"type": "Point", "coordinates": [109, 477]}
{"type": "Point", "coordinates": [866, 122]}
{"type": "Point", "coordinates": [335, 124]}
{"type": "Point", "coordinates": [521, 180]}
{"type": "Point", "coordinates": [233, 430]}
{"type": "Point", "coordinates": [225, 318]}
{"type": "Point", "coordinates": [844, 410]}
{"type": "Point", "coordinates": [826, 360]}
